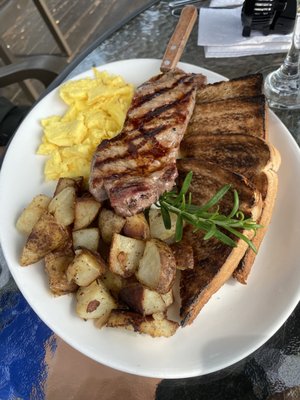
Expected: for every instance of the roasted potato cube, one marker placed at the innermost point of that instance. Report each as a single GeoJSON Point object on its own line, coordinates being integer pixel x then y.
{"type": "Point", "coordinates": [109, 223]}
{"type": "Point", "coordinates": [137, 227]}
{"type": "Point", "coordinates": [56, 264]}
{"type": "Point", "coordinates": [85, 267]}
{"type": "Point", "coordinates": [32, 213]}
{"type": "Point", "coordinates": [125, 254]}
{"type": "Point", "coordinates": [184, 255]}
{"type": "Point", "coordinates": [113, 282]}
{"type": "Point", "coordinates": [143, 300]}
{"type": "Point", "coordinates": [168, 298]}
{"type": "Point", "coordinates": [86, 210]}
{"type": "Point", "coordinates": [62, 206]}
{"type": "Point", "coordinates": [87, 238]}
{"type": "Point", "coordinates": [155, 326]}
{"type": "Point", "coordinates": [46, 236]}
{"type": "Point", "coordinates": [100, 322]}
{"type": "Point", "coordinates": [157, 227]}
{"type": "Point", "coordinates": [94, 301]}
{"type": "Point", "coordinates": [62, 183]}
{"type": "Point", "coordinates": [157, 267]}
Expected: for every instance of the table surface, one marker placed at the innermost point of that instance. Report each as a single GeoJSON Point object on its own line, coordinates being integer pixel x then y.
{"type": "Point", "coordinates": [31, 364]}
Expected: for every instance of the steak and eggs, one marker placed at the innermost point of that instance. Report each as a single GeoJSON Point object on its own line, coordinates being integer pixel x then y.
{"type": "Point", "coordinates": [138, 165]}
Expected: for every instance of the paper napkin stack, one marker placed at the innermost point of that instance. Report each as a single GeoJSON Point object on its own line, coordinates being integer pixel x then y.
{"type": "Point", "coordinates": [220, 32]}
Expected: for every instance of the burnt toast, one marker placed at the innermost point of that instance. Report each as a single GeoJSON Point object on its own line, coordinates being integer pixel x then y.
{"type": "Point", "coordinates": [214, 262]}
{"type": "Point", "coordinates": [241, 153]}
{"type": "Point", "coordinates": [245, 115]}
{"type": "Point", "coordinates": [245, 86]}
{"type": "Point", "coordinates": [228, 130]}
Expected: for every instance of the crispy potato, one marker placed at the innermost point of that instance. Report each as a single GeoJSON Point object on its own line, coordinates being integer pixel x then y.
{"type": "Point", "coordinates": [87, 238]}
{"type": "Point", "coordinates": [184, 255]}
{"type": "Point", "coordinates": [113, 282]}
{"type": "Point", "coordinates": [168, 298]}
{"type": "Point", "coordinates": [157, 227]}
{"type": "Point", "coordinates": [46, 236]}
{"type": "Point", "coordinates": [32, 213]}
{"type": "Point", "coordinates": [137, 227]}
{"type": "Point", "coordinates": [155, 326]}
{"type": "Point", "coordinates": [62, 183]}
{"type": "Point", "coordinates": [85, 267]}
{"type": "Point", "coordinates": [125, 254]}
{"type": "Point", "coordinates": [100, 322]}
{"type": "Point", "coordinates": [109, 223]}
{"type": "Point", "coordinates": [86, 210]}
{"type": "Point", "coordinates": [62, 206]}
{"type": "Point", "coordinates": [56, 264]}
{"type": "Point", "coordinates": [94, 301]}
{"type": "Point", "coordinates": [143, 300]}
{"type": "Point", "coordinates": [157, 267]}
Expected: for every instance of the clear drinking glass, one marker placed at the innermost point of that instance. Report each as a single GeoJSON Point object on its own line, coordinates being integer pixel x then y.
{"type": "Point", "coordinates": [282, 87]}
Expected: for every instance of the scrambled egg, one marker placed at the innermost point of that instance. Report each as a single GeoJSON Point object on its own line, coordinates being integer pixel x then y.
{"type": "Point", "coordinates": [97, 109]}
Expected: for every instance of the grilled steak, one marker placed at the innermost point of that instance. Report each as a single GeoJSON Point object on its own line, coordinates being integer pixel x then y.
{"type": "Point", "coordinates": [137, 166]}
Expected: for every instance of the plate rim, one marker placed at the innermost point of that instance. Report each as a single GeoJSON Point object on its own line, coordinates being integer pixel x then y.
{"type": "Point", "coordinates": [57, 330]}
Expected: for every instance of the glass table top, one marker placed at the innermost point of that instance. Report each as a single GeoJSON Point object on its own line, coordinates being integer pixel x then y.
{"type": "Point", "coordinates": [274, 369]}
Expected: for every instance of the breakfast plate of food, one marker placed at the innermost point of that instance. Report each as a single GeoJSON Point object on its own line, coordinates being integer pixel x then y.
{"type": "Point", "coordinates": [160, 228]}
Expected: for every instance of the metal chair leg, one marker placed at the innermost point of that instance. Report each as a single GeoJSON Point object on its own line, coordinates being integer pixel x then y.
{"type": "Point", "coordinates": [52, 26]}
{"type": "Point", "coordinates": [8, 59]}
{"type": "Point", "coordinates": [5, 54]}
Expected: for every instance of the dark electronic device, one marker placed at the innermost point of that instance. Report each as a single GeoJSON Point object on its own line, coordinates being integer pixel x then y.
{"type": "Point", "coordinates": [268, 16]}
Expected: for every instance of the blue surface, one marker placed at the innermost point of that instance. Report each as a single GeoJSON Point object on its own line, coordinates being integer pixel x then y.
{"type": "Point", "coordinates": [24, 339]}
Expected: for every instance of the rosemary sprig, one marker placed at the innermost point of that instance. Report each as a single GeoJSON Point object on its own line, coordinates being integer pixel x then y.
{"type": "Point", "coordinates": [212, 223]}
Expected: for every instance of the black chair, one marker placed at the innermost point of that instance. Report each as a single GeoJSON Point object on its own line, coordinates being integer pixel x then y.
{"type": "Point", "coordinates": [44, 68]}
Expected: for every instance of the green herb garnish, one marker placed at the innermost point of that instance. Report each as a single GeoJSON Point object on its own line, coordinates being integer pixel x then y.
{"type": "Point", "coordinates": [212, 223]}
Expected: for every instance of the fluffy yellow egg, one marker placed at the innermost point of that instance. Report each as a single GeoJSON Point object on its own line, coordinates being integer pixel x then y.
{"type": "Point", "coordinates": [96, 111]}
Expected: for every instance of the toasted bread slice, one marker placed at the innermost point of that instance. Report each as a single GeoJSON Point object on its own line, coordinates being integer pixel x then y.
{"type": "Point", "coordinates": [209, 274]}
{"type": "Point", "coordinates": [270, 191]}
{"type": "Point", "coordinates": [236, 107]}
{"type": "Point", "coordinates": [246, 86]}
{"type": "Point", "coordinates": [208, 178]}
{"type": "Point", "coordinates": [236, 115]}
{"type": "Point", "coordinates": [247, 155]}
{"type": "Point", "coordinates": [214, 262]}
{"type": "Point", "coordinates": [244, 154]}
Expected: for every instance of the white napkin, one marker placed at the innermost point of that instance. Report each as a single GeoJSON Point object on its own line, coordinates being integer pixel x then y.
{"type": "Point", "coordinates": [225, 3]}
{"type": "Point", "coordinates": [220, 32]}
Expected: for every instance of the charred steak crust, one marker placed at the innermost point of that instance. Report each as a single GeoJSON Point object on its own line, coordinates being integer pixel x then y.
{"type": "Point", "coordinates": [138, 165]}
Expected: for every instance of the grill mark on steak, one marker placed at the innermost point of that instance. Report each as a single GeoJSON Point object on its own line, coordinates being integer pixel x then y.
{"type": "Point", "coordinates": [154, 113]}
{"type": "Point", "coordinates": [137, 155]}
{"type": "Point", "coordinates": [137, 102]}
{"type": "Point", "coordinates": [127, 197]}
{"type": "Point", "coordinates": [139, 132]}
{"type": "Point", "coordinates": [132, 147]}
{"type": "Point", "coordinates": [127, 137]}
{"type": "Point", "coordinates": [139, 164]}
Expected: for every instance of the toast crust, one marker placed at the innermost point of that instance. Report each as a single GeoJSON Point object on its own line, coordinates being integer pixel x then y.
{"type": "Point", "coordinates": [199, 284]}
{"type": "Point", "coordinates": [243, 270]}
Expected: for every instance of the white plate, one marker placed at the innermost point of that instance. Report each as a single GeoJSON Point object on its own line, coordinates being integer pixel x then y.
{"type": "Point", "coordinates": [234, 323]}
